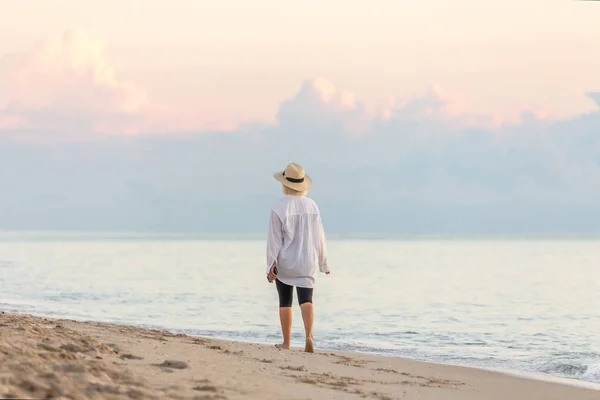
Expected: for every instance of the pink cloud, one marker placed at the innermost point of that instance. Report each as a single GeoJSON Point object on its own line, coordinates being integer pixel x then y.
{"type": "Point", "coordinates": [11, 122]}
{"type": "Point", "coordinates": [65, 84]}
{"type": "Point", "coordinates": [318, 100]}
{"type": "Point", "coordinates": [435, 103]}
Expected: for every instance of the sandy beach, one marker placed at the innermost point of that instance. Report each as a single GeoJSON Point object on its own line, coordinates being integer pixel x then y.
{"type": "Point", "coordinates": [50, 358]}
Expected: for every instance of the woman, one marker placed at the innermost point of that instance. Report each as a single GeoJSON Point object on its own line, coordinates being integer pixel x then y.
{"type": "Point", "coordinates": [296, 249]}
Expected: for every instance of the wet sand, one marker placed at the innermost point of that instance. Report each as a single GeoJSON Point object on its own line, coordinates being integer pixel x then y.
{"type": "Point", "coordinates": [50, 358]}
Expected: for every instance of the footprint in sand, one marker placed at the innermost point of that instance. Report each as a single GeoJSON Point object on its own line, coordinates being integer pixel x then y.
{"type": "Point", "coordinates": [235, 353]}
{"type": "Point", "coordinates": [388, 370]}
{"type": "Point", "coordinates": [130, 357]}
{"type": "Point", "coordinates": [291, 368]}
{"type": "Point", "coordinates": [206, 388]}
{"type": "Point", "coordinates": [173, 364]}
{"type": "Point", "coordinates": [115, 347]}
{"type": "Point", "coordinates": [351, 362]}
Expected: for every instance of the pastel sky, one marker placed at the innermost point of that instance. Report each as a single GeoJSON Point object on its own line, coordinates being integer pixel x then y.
{"type": "Point", "coordinates": [436, 116]}
{"type": "Point", "coordinates": [202, 64]}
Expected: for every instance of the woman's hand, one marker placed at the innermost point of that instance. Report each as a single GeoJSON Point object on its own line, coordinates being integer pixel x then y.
{"type": "Point", "coordinates": [271, 276]}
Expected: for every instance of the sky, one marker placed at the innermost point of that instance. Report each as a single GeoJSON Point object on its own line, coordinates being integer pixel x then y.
{"type": "Point", "coordinates": [412, 117]}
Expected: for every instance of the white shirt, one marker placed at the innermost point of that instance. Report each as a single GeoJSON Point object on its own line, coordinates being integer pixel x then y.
{"type": "Point", "coordinates": [296, 241]}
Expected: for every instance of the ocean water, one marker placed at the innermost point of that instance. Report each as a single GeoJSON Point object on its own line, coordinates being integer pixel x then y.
{"type": "Point", "coordinates": [512, 305]}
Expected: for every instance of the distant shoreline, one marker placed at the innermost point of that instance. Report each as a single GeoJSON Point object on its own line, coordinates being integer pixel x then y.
{"type": "Point", "coordinates": [32, 235]}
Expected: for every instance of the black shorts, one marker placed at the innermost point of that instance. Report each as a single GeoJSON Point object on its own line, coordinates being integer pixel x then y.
{"type": "Point", "coordinates": [286, 294]}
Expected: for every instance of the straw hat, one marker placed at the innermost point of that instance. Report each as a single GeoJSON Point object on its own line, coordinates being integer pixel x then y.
{"type": "Point", "coordinates": [294, 177]}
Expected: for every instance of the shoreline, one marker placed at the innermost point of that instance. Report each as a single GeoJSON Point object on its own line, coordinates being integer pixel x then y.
{"type": "Point", "coordinates": [532, 375]}
{"type": "Point", "coordinates": [63, 358]}
{"type": "Point", "coordinates": [537, 376]}
{"type": "Point", "coordinates": [578, 383]}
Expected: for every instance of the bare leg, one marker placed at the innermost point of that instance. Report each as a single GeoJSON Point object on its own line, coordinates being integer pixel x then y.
{"type": "Point", "coordinates": [285, 316]}
{"type": "Point", "coordinates": [308, 316]}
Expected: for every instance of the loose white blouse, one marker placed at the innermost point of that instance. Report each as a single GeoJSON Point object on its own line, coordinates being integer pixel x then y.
{"type": "Point", "coordinates": [296, 241]}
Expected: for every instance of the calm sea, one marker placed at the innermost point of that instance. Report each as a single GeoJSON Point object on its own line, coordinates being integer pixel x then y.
{"type": "Point", "coordinates": [513, 305]}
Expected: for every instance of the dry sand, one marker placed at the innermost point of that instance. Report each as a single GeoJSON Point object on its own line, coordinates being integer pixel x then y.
{"type": "Point", "coordinates": [49, 358]}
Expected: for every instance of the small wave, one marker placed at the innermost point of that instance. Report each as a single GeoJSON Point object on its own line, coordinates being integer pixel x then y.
{"type": "Point", "coordinates": [581, 369]}
{"type": "Point", "coordinates": [592, 373]}
{"type": "Point", "coordinates": [565, 369]}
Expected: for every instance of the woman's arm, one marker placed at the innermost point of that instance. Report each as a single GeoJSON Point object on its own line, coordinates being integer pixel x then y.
{"type": "Point", "coordinates": [274, 240]}
{"type": "Point", "coordinates": [323, 267]}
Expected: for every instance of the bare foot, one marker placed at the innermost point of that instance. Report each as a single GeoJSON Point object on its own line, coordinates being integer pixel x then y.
{"type": "Point", "coordinates": [309, 348]}
{"type": "Point", "coordinates": [283, 346]}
